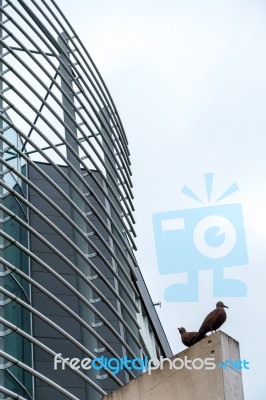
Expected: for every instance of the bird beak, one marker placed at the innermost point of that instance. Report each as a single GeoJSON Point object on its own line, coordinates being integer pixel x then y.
{"type": "Point", "coordinates": [225, 306]}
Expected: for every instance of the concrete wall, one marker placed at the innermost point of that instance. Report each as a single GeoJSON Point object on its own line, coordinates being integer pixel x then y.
{"type": "Point", "coordinates": [184, 384]}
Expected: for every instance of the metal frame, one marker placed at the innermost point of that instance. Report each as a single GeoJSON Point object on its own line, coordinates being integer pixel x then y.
{"type": "Point", "coordinates": [84, 131]}
{"type": "Point", "coordinates": [85, 95]}
{"type": "Point", "coordinates": [11, 394]}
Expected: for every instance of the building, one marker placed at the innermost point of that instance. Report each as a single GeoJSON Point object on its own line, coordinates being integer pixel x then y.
{"type": "Point", "coordinates": [70, 282]}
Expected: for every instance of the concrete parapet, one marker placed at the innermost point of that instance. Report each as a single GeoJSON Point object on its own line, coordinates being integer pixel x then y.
{"type": "Point", "coordinates": [191, 384]}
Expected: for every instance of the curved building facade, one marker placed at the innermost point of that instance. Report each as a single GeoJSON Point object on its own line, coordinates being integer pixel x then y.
{"type": "Point", "coordinates": [70, 285]}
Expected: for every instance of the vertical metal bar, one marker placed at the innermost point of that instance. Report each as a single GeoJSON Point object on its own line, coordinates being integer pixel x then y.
{"type": "Point", "coordinates": [2, 372]}
{"type": "Point", "coordinates": [87, 315]}
{"type": "Point", "coordinates": [110, 169]}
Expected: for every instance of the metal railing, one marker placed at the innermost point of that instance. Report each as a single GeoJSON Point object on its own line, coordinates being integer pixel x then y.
{"type": "Point", "coordinates": [54, 98]}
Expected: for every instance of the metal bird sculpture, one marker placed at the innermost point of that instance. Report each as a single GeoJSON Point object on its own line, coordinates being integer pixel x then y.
{"type": "Point", "coordinates": [212, 322]}
{"type": "Point", "coordinates": [187, 337]}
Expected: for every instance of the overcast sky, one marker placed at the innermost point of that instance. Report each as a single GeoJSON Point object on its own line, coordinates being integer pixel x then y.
{"type": "Point", "coordinates": [189, 81]}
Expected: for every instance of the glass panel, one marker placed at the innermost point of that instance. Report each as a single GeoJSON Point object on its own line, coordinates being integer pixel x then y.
{"type": "Point", "coordinates": [10, 180]}
{"type": "Point", "coordinates": [12, 160]}
{"type": "Point", "coordinates": [14, 344]}
{"type": "Point", "coordinates": [14, 284]}
{"type": "Point", "coordinates": [18, 315]}
{"type": "Point", "coordinates": [14, 205]}
{"type": "Point", "coordinates": [24, 172]}
{"type": "Point", "coordinates": [12, 136]}
{"type": "Point", "coordinates": [13, 385]}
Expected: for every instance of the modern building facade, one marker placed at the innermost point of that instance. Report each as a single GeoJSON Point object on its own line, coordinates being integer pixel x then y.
{"type": "Point", "coordinates": [69, 280]}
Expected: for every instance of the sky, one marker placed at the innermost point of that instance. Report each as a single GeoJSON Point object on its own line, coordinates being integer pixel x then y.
{"type": "Point", "coordinates": [189, 81]}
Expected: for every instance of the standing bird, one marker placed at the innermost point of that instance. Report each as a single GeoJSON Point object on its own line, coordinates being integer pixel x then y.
{"type": "Point", "coordinates": [187, 337]}
{"type": "Point", "coordinates": [212, 322]}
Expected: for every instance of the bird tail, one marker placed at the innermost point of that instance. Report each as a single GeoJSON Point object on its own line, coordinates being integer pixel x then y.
{"type": "Point", "coordinates": [200, 335]}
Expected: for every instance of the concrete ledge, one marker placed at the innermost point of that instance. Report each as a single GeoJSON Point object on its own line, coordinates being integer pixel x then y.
{"type": "Point", "coordinates": [185, 384]}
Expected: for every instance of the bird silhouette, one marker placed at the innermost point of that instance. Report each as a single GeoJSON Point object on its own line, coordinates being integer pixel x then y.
{"type": "Point", "coordinates": [212, 322]}
{"type": "Point", "coordinates": [187, 337]}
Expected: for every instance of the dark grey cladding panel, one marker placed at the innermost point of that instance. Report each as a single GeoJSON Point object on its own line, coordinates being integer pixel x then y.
{"type": "Point", "coordinates": [41, 204]}
{"type": "Point", "coordinates": [63, 346]}
{"type": "Point", "coordinates": [98, 226]}
{"type": "Point", "coordinates": [105, 310]}
{"type": "Point", "coordinates": [108, 336]}
{"type": "Point", "coordinates": [99, 263]}
{"type": "Point", "coordinates": [57, 241]}
{"type": "Point", "coordinates": [65, 378]}
{"type": "Point", "coordinates": [99, 283]}
{"type": "Point", "coordinates": [105, 332]}
{"type": "Point", "coordinates": [93, 205]}
{"type": "Point", "coordinates": [44, 185]}
{"type": "Point", "coordinates": [45, 333]}
{"type": "Point", "coordinates": [42, 330]}
{"type": "Point", "coordinates": [108, 294]}
{"type": "Point", "coordinates": [48, 187]}
{"type": "Point", "coordinates": [95, 188]}
{"type": "Point", "coordinates": [52, 260]}
{"type": "Point", "coordinates": [49, 170]}
{"type": "Point", "coordinates": [96, 242]}
{"type": "Point", "coordinates": [49, 282]}
{"type": "Point", "coordinates": [49, 307]}
{"type": "Point", "coordinates": [44, 392]}
{"type": "Point", "coordinates": [116, 347]}
{"type": "Point", "coordinates": [44, 227]}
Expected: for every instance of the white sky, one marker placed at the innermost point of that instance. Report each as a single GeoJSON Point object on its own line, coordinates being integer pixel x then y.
{"type": "Point", "coordinates": [189, 81]}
